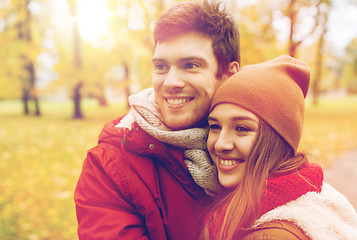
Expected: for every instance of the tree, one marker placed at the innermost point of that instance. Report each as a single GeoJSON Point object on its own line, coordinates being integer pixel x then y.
{"type": "Point", "coordinates": [297, 13]}
{"type": "Point", "coordinates": [324, 9]}
{"type": "Point", "coordinates": [11, 66]}
{"type": "Point", "coordinates": [132, 33]}
{"type": "Point", "coordinates": [84, 66]}
{"type": "Point", "coordinates": [257, 36]}
{"type": "Point", "coordinates": [77, 63]}
{"type": "Point", "coordinates": [351, 66]}
{"type": "Point", "coordinates": [24, 34]}
{"type": "Point", "coordinates": [21, 52]}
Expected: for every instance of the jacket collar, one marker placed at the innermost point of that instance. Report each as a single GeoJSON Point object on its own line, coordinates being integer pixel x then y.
{"type": "Point", "coordinates": [137, 141]}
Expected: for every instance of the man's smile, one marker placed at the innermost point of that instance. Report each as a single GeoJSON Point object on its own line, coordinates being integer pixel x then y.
{"type": "Point", "coordinates": [178, 101]}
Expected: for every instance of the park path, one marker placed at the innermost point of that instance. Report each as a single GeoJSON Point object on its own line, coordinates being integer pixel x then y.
{"type": "Point", "coordinates": [342, 175]}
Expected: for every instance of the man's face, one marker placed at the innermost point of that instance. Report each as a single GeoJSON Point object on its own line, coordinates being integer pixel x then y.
{"type": "Point", "coordinates": [184, 79]}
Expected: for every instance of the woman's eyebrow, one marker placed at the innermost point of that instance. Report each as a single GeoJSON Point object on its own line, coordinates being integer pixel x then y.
{"type": "Point", "coordinates": [211, 118]}
{"type": "Point", "coordinates": [240, 118]}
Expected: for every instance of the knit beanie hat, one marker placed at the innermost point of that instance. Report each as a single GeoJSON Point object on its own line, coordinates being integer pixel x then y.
{"type": "Point", "coordinates": [274, 91]}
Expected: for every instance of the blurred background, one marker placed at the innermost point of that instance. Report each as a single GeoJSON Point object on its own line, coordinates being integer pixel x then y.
{"type": "Point", "coordinates": [67, 67]}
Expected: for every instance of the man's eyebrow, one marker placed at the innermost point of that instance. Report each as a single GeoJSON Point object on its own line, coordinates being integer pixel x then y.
{"type": "Point", "coordinates": [192, 58]}
{"type": "Point", "coordinates": [155, 59]}
{"type": "Point", "coordinates": [184, 59]}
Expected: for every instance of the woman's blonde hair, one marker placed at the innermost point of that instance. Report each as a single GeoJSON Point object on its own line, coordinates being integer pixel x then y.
{"type": "Point", "coordinates": [270, 154]}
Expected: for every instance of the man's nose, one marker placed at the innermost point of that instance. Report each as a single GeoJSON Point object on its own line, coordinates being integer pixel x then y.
{"type": "Point", "coordinates": [174, 79]}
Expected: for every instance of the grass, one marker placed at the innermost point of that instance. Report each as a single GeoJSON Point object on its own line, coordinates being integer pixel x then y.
{"type": "Point", "coordinates": [330, 129]}
{"type": "Point", "coordinates": [41, 159]}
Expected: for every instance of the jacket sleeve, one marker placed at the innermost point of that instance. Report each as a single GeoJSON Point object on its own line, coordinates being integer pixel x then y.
{"type": "Point", "coordinates": [102, 209]}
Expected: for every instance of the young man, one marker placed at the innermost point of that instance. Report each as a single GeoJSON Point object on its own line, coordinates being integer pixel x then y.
{"type": "Point", "coordinates": [150, 176]}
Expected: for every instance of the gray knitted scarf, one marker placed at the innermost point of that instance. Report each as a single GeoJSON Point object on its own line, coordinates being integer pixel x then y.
{"type": "Point", "coordinates": [146, 113]}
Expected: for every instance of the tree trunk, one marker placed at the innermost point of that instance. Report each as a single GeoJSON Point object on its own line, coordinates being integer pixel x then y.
{"type": "Point", "coordinates": [77, 97]}
{"type": "Point", "coordinates": [127, 86]}
{"type": "Point", "coordinates": [29, 82]}
{"type": "Point", "coordinates": [37, 106]}
{"type": "Point", "coordinates": [77, 114]}
{"type": "Point", "coordinates": [32, 88]}
{"type": "Point", "coordinates": [292, 13]}
{"type": "Point", "coordinates": [101, 95]}
{"type": "Point", "coordinates": [25, 100]}
{"type": "Point", "coordinates": [316, 84]}
{"type": "Point", "coordinates": [319, 54]}
{"type": "Point", "coordinates": [102, 99]}
{"type": "Point", "coordinates": [292, 17]}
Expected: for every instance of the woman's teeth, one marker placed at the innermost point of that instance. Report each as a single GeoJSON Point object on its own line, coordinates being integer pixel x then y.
{"type": "Point", "coordinates": [227, 162]}
{"type": "Point", "coordinates": [230, 162]}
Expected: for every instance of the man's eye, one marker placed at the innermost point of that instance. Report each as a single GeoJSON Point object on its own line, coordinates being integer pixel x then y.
{"type": "Point", "coordinates": [160, 67]}
{"type": "Point", "coordinates": [191, 65]}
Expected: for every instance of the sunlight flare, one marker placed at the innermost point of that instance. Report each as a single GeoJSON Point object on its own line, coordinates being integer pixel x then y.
{"type": "Point", "coordinates": [92, 19]}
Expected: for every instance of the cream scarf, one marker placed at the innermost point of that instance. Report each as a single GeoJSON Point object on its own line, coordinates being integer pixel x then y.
{"type": "Point", "coordinates": [146, 113]}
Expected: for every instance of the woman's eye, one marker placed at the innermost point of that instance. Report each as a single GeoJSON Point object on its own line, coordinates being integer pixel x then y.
{"type": "Point", "coordinates": [214, 127]}
{"type": "Point", "coordinates": [242, 129]}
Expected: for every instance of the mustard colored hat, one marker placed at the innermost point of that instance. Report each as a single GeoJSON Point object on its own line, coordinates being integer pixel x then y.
{"type": "Point", "coordinates": [274, 91]}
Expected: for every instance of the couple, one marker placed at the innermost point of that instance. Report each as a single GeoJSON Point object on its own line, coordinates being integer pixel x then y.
{"type": "Point", "coordinates": [163, 171]}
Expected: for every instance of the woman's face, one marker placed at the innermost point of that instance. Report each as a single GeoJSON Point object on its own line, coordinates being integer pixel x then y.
{"type": "Point", "coordinates": [231, 136]}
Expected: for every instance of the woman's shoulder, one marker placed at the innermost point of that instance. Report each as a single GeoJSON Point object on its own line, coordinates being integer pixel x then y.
{"type": "Point", "coordinates": [277, 230]}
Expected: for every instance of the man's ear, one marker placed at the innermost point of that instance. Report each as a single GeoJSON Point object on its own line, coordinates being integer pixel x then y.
{"type": "Point", "coordinates": [232, 69]}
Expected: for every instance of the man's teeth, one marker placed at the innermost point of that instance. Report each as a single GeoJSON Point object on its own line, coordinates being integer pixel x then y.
{"type": "Point", "coordinates": [177, 101]}
{"type": "Point", "coordinates": [227, 162]}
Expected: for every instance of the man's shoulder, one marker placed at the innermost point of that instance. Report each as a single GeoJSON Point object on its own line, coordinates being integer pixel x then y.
{"type": "Point", "coordinates": [115, 122]}
{"type": "Point", "coordinates": [127, 144]}
{"type": "Point", "coordinates": [111, 132]}
{"type": "Point", "coordinates": [276, 230]}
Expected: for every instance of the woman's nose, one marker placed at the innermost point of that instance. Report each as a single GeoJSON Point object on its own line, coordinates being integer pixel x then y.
{"type": "Point", "coordinates": [224, 142]}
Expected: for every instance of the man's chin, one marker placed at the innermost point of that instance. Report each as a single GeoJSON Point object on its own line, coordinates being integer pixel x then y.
{"type": "Point", "coordinates": [181, 123]}
{"type": "Point", "coordinates": [177, 123]}
{"type": "Point", "coordinates": [177, 126]}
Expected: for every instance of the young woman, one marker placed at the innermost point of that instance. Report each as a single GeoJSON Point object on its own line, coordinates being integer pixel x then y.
{"type": "Point", "coordinates": [256, 119]}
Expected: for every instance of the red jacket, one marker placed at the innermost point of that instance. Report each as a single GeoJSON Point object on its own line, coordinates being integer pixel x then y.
{"type": "Point", "coordinates": [134, 187]}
